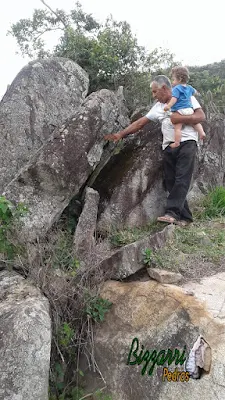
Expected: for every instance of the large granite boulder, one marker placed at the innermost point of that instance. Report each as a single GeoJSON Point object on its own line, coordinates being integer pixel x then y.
{"type": "Point", "coordinates": [25, 340]}
{"type": "Point", "coordinates": [210, 166]}
{"type": "Point", "coordinates": [131, 184]}
{"type": "Point", "coordinates": [58, 171]}
{"type": "Point", "coordinates": [160, 317]}
{"type": "Point", "coordinates": [43, 95]}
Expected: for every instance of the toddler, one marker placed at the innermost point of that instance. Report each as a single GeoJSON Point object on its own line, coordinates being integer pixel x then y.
{"type": "Point", "coordinates": [181, 101]}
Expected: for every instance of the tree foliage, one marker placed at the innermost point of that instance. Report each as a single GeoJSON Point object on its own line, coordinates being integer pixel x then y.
{"type": "Point", "coordinates": [108, 56]}
{"type": "Point", "coordinates": [209, 80]}
{"type": "Point", "coordinates": [109, 52]}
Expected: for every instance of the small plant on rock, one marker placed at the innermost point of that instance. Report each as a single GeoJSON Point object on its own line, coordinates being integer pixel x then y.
{"type": "Point", "coordinates": [97, 307]}
{"type": "Point", "coordinates": [119, 238]}
{"type": "Point", "coordinates": [147, 256]}
{"type": "Point", "coordinates": [62, 256]}
{"type": "Point", "coordinates": [9, 219]}
{"type": "Point", "coordinates": [66, 334]}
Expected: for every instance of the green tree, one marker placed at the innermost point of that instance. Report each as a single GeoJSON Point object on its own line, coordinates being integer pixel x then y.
{"type": "Point", "coordinates": [108, 56]}
{"type": "Point", "coordinates": [30, 33]}
{"type": "Point", "coordinates": [108, 52]}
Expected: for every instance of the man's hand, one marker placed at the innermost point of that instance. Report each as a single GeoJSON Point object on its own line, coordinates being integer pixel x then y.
{"type": "Point", "coordinates": [174, 145]}
{"type": "Point", "coordinates": [166, 108]}
{"type": "Point", "coordinates": [114, 137]}
{"type": "Point", "coordinates": [202, 136]}
{"type": "Point", "coordinates": [132, 128]}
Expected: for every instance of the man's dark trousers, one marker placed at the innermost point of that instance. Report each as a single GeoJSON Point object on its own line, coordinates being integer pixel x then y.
{"type": "Point", "coordinates": [178, 165]}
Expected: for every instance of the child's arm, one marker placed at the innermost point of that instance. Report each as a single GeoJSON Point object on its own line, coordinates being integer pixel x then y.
{"type": "Point", "coordinates": [194, 92]}
{"type": "Point", "coordinates": [170, 104]}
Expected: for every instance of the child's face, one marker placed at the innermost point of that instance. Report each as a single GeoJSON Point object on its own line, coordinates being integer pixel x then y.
{"type": "Point", "coordinates": [175, 80]}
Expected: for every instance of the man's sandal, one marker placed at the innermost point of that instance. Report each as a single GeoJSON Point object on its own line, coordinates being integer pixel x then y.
{"type": "Point", "coordinates": [168, 219]}
{"type": "Point", "coordinates": [171, 220]}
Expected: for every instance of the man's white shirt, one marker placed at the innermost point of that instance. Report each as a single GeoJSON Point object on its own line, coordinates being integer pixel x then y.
{"type": "Point", "coordinates": [157, 113]}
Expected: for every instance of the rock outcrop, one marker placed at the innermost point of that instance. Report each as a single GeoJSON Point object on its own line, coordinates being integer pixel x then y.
{"type": "Point", "coordinates": [42, 96]}
{"type": "Point", "coordinates": [61, 167]}
{"type": "Point", "coordinates": [52, 146]}
{"type": "Point", "coordinates": [130, 185]}
{"type": "Point", "coordinates": [25, 340]}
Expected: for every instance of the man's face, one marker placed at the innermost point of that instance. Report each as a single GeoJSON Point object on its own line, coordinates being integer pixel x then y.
{"type": "Point", "coordinates": [162, 94]}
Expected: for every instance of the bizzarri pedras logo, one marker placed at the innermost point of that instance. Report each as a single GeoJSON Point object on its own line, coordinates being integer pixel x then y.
{"type": "Point", "coordinates": [148, 359]}
{"type": "Point", "coordinates": [191, 365]}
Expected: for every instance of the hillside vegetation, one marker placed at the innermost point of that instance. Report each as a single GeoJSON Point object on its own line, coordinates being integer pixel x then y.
{"type": "Point", "coordinates": [111, 55]}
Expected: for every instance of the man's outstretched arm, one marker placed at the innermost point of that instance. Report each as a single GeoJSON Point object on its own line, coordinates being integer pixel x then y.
{"type": "Point", "coordinates": [132, 128]}
{"type": "Point", "coordinates": [196, 118]}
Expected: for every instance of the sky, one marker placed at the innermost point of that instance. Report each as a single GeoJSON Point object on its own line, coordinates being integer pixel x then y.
{"type": "Point", "coordinates": [194, 30]}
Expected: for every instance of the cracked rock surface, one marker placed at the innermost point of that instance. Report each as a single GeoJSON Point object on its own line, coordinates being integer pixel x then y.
{"type": "Point", "coordinates": [25, 339]}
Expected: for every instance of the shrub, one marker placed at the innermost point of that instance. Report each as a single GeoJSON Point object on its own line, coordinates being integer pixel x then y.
{"type": "Point", "coordinates": [97, 307]}
{"type": "Point", "coordinates": [9, 220]}
{"type": "Point", "coordinates": [214, 203]}
{"type": "Point", "coordinates": [147, 256]}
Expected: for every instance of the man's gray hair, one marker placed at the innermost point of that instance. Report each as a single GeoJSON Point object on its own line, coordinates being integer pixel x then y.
{"type": "Point", "coordinates": [161, 80]}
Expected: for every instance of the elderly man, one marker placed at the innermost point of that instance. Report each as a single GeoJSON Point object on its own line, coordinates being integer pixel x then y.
{"type": "Point", "coordinates": [178, 163]}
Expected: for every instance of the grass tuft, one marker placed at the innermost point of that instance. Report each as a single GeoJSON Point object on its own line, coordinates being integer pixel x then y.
{"type": "Point", "coordinates": [119, 238]}
{"type": "Point", "coordinates": [214, 203]}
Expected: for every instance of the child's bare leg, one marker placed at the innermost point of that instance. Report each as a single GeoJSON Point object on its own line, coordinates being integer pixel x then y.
{"type": "Point", "coordinates": [177, 129]}
{"type": "Point", "coordinates": [200, 130]}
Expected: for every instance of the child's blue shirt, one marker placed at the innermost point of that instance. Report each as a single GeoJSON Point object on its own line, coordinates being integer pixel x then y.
{"type": "Point", "coordinates": [183, 95]}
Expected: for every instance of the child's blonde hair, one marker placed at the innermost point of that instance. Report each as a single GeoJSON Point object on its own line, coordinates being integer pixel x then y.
{"type": "Point", "coordinates": [181, 73]}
